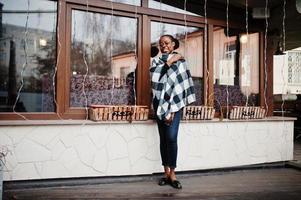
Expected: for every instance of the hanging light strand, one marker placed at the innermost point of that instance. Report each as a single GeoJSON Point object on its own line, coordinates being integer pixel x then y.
{"type": "Point", "coordinates": [161, 19]}
{"type": "Point", "coordinates": [228, 48]}
{"type": "Point", "coordinates": [136, 61]}
{"type": "Point", "coordinates": [205, 51]}
{"type": "Point", "coordinates": [111, 52]}
{"type": "Point", "coordinates": [284, 38]}
{"type": "Point", "coordinates": [57, 61]}
{"type": "Point", "coordinates": [24, 64]}
{"type": "Point", "coordinates": [86, 64]}
{"type": "Point", "coordinates": [247, 54]}
{"type": "Point", "coordinates": [283, 25]}
{"type": "Point", "coordinates": [265, 55]}
{"type": "Point", "coordinates": [185, 30]}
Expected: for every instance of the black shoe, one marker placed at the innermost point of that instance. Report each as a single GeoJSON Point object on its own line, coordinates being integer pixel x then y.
{"type": "Point", "coordinates": [176, 184]}
{"type": "Point", "coordinates": [164, 181]}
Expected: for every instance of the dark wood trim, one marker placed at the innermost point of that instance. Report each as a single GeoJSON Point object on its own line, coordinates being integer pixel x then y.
{"type": "Point", "coordinates": [206, 71]}
{"type": "Point", "coordinates": [266, 74]}
{"type": "Point", "coordinates": [261, 69]}
{"type": "Point", "coordinates": [144, 3]}
{"type": "Point", "coordinates": [61, 58]}
{"type": "Point", "coordinates": [145, 98]}
{"type": "Point", "coordinates": [210, 96]}
{"type": "Point", "coordinates": [269, 93]}
{"type": "Point", "coordinates": [66, 67]}
{"type": "Point", "coordinates": [140, 64]}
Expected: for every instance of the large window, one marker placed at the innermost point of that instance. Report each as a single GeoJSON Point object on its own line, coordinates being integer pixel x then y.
{"type": "Point", "coordinates": [236, 68]}
{"type": "Point", "coordinates": [28, 55]}
{"type": "Point", "coordinates": [103, 59]}
{"type": "Point", "coordinates": [191, 47]}
{"type": "Point", "coordinates": [59, 57]}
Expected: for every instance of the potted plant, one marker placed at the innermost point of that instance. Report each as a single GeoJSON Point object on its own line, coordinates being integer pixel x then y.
{"type": "Point", "coordinates": [3, 154]}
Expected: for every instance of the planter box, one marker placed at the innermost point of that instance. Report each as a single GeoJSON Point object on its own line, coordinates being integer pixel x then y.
{"type": "Point", "coordinates": [118, 113]}
{"type": "Point", "coordinates": [198, 112]}
{"type": "Point", "coordinates": [247, 112]}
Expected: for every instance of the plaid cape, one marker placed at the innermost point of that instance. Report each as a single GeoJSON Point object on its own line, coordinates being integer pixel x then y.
{"type": "Point", "coordinates": [171, 86]}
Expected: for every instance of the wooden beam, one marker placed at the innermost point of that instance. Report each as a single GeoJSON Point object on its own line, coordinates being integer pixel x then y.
{"type": "Point", "coordinates": [210, 82]}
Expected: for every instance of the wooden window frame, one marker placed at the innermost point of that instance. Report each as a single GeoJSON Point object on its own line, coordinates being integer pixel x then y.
{"type": "Point", "coordinates": [144, 16]}
{"type": "Point", "coordinates": [261, 79]}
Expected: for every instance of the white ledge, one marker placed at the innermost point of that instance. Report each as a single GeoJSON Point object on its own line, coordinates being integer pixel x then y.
{"type": "Point", "coordinates": [89, 122]}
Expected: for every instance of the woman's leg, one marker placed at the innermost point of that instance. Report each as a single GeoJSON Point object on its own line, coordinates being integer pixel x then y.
{"type": "Point", "coordinates": [163, 146]}
{"type": "Point", "coordinates": [172, 144]}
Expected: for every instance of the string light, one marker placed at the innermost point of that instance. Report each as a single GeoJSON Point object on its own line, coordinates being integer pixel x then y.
{"type": "Point", "coordinates": [205, 49]}
{"type": "Point", "coordinates": [228, 48]}
{"type": "Point", "coordinates": [111, 51]}
{"type": "Point", "coordinates": [265, 55]}
{"type": "Point", "coordinates": [283, 32]}
{"type": "Point", "coordinates": [136, 61]}
{"type": "Point", "coordinates": [86, 64]}
{"type": "Point", "coordinates": [24, 64]}
{"type": "Point", "coordinates": [185, 29]}
{"type": "Point", "coordinates": [245, 38]}
{"type": "Point", "coordinates": [161, 18]}
{"type": "Point", "coordinates": [57, 61]}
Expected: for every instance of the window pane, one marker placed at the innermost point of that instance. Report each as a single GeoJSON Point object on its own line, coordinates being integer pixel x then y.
{"type": "Point", "coordinates": [236, 68]}
{"type": "Point", "coordinates": [287, 72]}
{"type": "Point", "coordinates": [191, 47]}
{"type": "Point", "coordinates": [162, 6]}
{"type": "Point", "coordinates": [28, 53]}
{"type": "Point", "coordinates": [130, 2]}
{"type": "Point", "coordinates": [102, 59]}
{"type": "Point", "coordinates": [287, 82]}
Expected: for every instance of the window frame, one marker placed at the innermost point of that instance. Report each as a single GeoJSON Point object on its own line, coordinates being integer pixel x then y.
{"type": "Point", "coordinates": [76, 111]}
{"type": "Point", "coordinates": [261, 78]}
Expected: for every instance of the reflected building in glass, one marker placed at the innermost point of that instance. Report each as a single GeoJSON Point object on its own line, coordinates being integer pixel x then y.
{"type": "Point", "coordinates": [28, 54]}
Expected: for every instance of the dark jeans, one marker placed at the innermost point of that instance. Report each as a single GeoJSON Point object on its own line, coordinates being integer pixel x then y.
{"type": "Point", "coordinates": [169, 140]}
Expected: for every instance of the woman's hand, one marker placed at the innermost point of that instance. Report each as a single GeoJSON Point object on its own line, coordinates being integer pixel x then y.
{"type": "Point", "coordinates": [169, 118]}
{"type": "Point", "coordinates": [174, 58]}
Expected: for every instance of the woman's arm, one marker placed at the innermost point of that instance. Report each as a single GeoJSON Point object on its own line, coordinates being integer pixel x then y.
{"type": "Point", "coordinates": [174, 58]}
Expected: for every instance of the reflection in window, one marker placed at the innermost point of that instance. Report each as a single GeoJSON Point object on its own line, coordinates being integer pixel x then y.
{"type": "Point", "coordinates": [191, 47]}
{"type": "Point", "coordinates": [287, 82]}
{"type": "Point", "coordinates": [287, 72]}
{"type": "Point", "coordinates": [130, 2]}
{"type": "Point", "coordinates": [236, 68]}
{"type": "Point", "coordinates": [108, 57]}
{"type": "Point", "coordinates": [19, 50]}
{"type": "Point", "coordinates": [162, 6]}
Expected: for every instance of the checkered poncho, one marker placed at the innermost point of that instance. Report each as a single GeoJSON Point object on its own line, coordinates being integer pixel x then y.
{"type": "Point", "coordinates": [172, 87]}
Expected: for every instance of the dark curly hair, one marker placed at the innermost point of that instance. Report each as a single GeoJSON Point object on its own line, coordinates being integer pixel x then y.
{"type": "Point", "coordinates": [176, 41]}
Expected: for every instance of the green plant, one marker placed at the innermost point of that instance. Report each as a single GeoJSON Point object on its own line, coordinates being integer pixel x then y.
{"type": "Point", "coordinates": [3, 153]}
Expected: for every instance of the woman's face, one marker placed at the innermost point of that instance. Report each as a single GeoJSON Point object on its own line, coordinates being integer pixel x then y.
{"type": "Point", "coordinates": [166, 44]}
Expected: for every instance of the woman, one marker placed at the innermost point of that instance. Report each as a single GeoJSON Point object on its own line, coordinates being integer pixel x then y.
{"type": "Point", "coordinates": [172, 89]}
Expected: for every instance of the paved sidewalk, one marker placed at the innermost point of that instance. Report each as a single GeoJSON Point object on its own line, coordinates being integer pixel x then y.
{"type": "Point", "coordinates": [266, 184]}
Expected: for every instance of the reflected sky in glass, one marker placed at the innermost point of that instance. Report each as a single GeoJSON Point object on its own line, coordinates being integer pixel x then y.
{"type": "Point", "coordinates": [42, 9]}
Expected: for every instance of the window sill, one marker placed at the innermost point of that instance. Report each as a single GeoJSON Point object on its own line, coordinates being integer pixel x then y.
{"type": "Point", "coordinates": [89, 122]}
